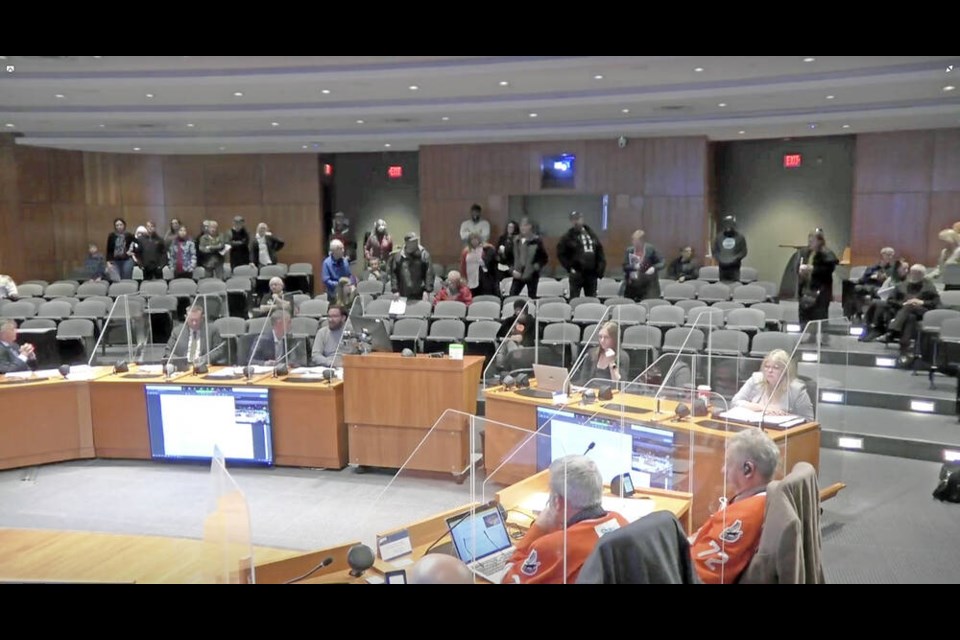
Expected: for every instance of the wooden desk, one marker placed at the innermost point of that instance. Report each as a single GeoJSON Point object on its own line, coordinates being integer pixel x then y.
{"type": "Point", "coordinates": [47, 420]}
{"type": "Point", "coordinates": [699, 448]}
{"type": "Point", "coordinates": [308, 426]}
{"type": "Point", "coordinates": [392, 402]}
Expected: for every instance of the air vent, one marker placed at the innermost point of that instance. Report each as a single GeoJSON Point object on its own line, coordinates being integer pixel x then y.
{"type": "Point", "coordinates": [673, 107]}
{"type": "Point", "coordinates": [399, 120]}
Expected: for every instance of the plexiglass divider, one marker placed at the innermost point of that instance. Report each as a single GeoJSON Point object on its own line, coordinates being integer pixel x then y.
{"type": "Point", "coordinates": [227, 550]}
{"type": "Point", "coordinates": [123, 333]}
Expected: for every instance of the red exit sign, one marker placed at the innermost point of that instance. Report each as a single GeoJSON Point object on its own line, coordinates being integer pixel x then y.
{"type": "Point", "coordinates": [395, 172]}
{"type": "Point", "coordinates": [792, 160]}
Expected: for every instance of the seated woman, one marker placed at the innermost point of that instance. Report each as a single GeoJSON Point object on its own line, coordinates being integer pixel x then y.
{"type": "Point", "coordinates": [345, 294]}
{"type": "Point", "coordinates": [775, 389]}
{"type": "Point", "coordinates": [605, 361]}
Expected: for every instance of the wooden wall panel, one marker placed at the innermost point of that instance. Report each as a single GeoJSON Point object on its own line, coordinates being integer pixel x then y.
{"type": "Point", "coordinates": [946, 162]}
{"type": "Point", "coordinates": [141, 180]}
{"type": "Point", "coordinates": [101, 178]}
{"type": "Point", "coordinates": [33, 174]}
{"type": "Point", "coordinates": [71, 236]}
{"type": "Point", "coordinates": [66, 171]}
{"type": "Point", "coordinates": [183, 180]}
{"type": "Point", "coordinates": [609, 169]}
{"type": "Point", "coordinates": [879, 219]}
{"type": "Point", "coordinates": [190, 216]}
{"type": "Point", "coordinates": [675, 167]}
{"type": "Point", "coordinates": [37, 237]}
{"type": "Point", "coordinates": [672, 223]}
{"type": "Point", "coordinates": [252, 214]}
{"type": "Point", "coordinates": [900, 162]}
{"type": "Point", "coordinates": [291, 178]}
{"type": "Point", "coordinates": [300, 226]}
{"type": "Point", "coordinates": [100, 222]}
{"type": "Point", "coordinates": [233, 180]}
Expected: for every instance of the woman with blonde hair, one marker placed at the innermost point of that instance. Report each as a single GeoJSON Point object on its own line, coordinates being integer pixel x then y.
{"type": "Point", "coordinates": [605, 361]}
{"type": "Point", "coordinates": [775, 389]}
{"type": "Point", "coordinates": [950, 254]}
{"type": "Point", "coordinates": [345, 294]}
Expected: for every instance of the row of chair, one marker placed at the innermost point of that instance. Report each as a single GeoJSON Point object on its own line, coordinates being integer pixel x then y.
{"type": "Point", "coordinates": [759, 291]}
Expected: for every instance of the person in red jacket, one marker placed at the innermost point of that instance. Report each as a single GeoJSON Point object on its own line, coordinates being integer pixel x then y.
{"type": "Point", "coordinates": [454, 289]}
{"type": "Point", "coordinates": [726, 543]}
{"type": "Point", "coordinates": [566, 531]}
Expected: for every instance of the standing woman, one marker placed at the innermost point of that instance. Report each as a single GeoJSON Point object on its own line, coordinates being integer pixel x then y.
{"type": "Point", "coordinates": [478, 266]}
{"type": "Point", "coordinates": [817, 264]}
{"type": "Point", "coordinates": [172, 233]}
{"type": "Point", "coordinates": [641, 269]}
{"type": "Point", "coordinates": [505, 250]}
{"type": "Point", "coordinates": [605, 361]}
{"type": "Point", "coordinates": [379, 243]}
{"type": "Point", "coordinates": [264, 246]}
{"type": "Point", "coordinates": [119, 245]}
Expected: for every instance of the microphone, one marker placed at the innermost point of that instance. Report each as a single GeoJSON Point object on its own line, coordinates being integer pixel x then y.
{"type": "Point", "coordinates": [360, 558]}
{"type": "Point", "coordinates": [407, 353]}
{"type": "Point", "coordinates": [682, 412]}
{"type": "Point", "coordinates": [326, 562]}
{"type": "Point", "coordinates": [64, 370]}
{"type": "Point", "coordinates": [344, 334]}
{"type": "Point", "coordinates": [329, 375]}
{"type": "Point", "coordinates": [253, 351]}
{"type": "Point", "coordinates": [202, 363]}
{"type": "Point", "coordinates": [282, 367]}
{"type": "Point", "coordinates": [169, 369]}
{"type": "Point", "coordinates": [589, 447]}
{"type": "Point", "coordinates": [121, 367]}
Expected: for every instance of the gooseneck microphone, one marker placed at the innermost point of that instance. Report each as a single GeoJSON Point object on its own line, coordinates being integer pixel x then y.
{"type": "Point", "coordinates": [326, 562]}
{"type": "Point", "coordinates": [589, 447]}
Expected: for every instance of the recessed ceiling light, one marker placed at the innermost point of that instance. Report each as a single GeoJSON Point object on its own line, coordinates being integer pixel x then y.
{"type": "Point", "coordinates": [598, 77]}
{"type": "Point", "coordinates": [698, 70]}
{"type": "Point", "coordinates": [445, 118]}
{"type": "Point", "coordinates": [304, 147]}
{"type": "Point", "coordinates": [102, 126]}
{"type": "Point", "coordinates": [504, 83]}
{"type": "Point", "coordinates": [625, 111]}
{"type": "Point", "coordinates": [809, 59]}
{"type": "Point", "coordinates": [97, 57]}
{"type": "Point", "coordinates": [222, 148]}
{"type": "Point", "coordinates": [949, 67]}
{"type": "Point", "coordinates": [846, 126]}
{"type": "Point", "coordinates": [949, 87]}
{"type": "Point", "coordinates": [190, 125]}
{"type": "Point", "coordinates": [238, 94]}
{"type": "Point", "coordinates": [721, 104]}
{"type": "Point", "coordinates": [831, 97]}
{"type": "Point", "coordinates": [10, 125]}
{"type": "Point", "coordinates": [59, 95]}
{"type": "Point", "coordinates": [274, 124]}
{"type": "Point", "coordinates": [534, 115]}
{"type": "Point", "coordinates": [414, 87]}
{"type": "Point", "coordinates": [359, 121]}
{"type": "Point", "coordinates": [325, 92]}
{"type": "Point", "coordinates": [387, 145]}
{"type": "Point", "coordinates": [741, 132]}
{"type": "Point", "coordinates": [149, 95]}
{"type": "Point", "coordinates": [136, 148]}
{"type": "Point", "coordinates": [813, 125]}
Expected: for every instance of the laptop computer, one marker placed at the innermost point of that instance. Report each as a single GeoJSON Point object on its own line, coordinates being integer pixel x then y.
{"type": "Point", "coordinates": [553, 379]}
{"type": "Point", "coordinates": [481, 540]}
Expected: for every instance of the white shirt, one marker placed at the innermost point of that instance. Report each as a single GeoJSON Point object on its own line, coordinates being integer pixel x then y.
{"type": "Point", "coordinates": [480, 226]}
{"type": "Point", "coordinates": [8, 287]}
{"type": "Point", "coordinates": [263, 250]}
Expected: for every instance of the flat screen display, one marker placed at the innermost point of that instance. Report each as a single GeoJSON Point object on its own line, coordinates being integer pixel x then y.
{"type": "Point", "coordinates": [187, 422]}
{"type": "Point", "coordinates": [558, 172]}
{"type": "Point", "coordinates": [647, 452]}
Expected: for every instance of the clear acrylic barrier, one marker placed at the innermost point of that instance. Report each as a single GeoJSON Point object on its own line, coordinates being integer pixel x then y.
{"type": "Point", "coordinates": [124, 333]}
{"type": "Point", "coordinates": [227, 550]}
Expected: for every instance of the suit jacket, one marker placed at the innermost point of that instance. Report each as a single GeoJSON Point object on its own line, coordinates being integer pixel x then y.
{"type": "Point", "coordinates": [176, 350]}
{"type": "Point", "coordinates": [10, 361]}
{"type": "Point", "coordinates": [266, 350]}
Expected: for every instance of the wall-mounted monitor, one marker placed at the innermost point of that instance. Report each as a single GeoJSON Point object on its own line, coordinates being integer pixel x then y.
{"type": "Point", "coordinates": [186, 422]}
{"type": "Point", "coordinates": [558, 171]}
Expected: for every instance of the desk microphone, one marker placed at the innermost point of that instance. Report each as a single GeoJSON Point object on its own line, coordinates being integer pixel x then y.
{"type": "Point", "coordinates": [326, 562]}
{"type": "Point", "coordinates": [64, 370]}
{"type": "Point", "coordinates": [282, 366]}
{"type": "Point", "coordinates": [589, 447]}
{"type": "Point", "coordinates": [682, 412]}
{"type": "Point", "coordinates": [202, 363]}
{"type": "Point", "coordinates": [329, 375]}
{"type": "Point", "coordinates": [360, 558]}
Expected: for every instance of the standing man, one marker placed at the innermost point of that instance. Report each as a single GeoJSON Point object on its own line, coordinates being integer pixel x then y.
{"type": "Point", "coordinates": [239, 243]}
{"type": "Point", "coordinates": [641, 269]}
{"type": "Point", "coordinates": [729, 250]}
{"type": "Point", "coordinates": [475, 224]}
{"type": "Point", "coordinates": [335, 266]}
{"type": "Point", "coordinates": [409, 268]}
{"type": "Point", "coordinates": [211, 250]}
{"type": "Point", "coordinates": [529, 257]}
{"type": "Point", "coordinates": [581, 254]}
{"type": "Point", "coordinates": [14, 357]}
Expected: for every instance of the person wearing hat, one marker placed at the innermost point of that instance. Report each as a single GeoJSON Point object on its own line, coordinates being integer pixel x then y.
{"type": "Point", "coordinates": [148, 253]}
{"type": "Point", "coordinates": [581, 254]}
{"type": "Point", "coordinates": [239, 243]}
{"type": "Point", "coordinates": [410, 270]}
{"type": "Point", "coordinates": [729, 250]}
{"type": "Point", "coordinates": [816, 267]}
{"type": "Point", "coordinates": [911, 300]}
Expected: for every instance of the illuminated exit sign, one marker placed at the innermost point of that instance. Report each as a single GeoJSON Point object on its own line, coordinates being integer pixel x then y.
{"type": "Point", "coordinates": [792, 160]}
{"type": "Point", "coordinates": [395, 172]}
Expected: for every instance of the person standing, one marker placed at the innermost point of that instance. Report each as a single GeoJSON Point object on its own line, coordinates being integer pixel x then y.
{"type": "Point", "coordinates": [729, 250]}
{"type": "Point", "coordinates": [409, 269]}
{"type": "Point", "coordinates": [505, 250]}
{"type": "Point", "coordinates": [264, 248]}
{"type": "Point", "coordinates": [641, 269]}
{"type": "Point", "coordinates": [475, 224]}
{"type": "Point", "coordinates": [182, 254]}
{"type": "Point", "coordinates": [335, 266]}
{"type": "Point", "coordinates": [529, 257]}
{"type": "Point", "coordinates": [212, 250]}
{"type": "Point", "coordinates": [239, 243]}
{"type": "Point", "coordinates": [118, 249]}
{"type": "Point", "coordinates": [817, 264]}
{"type": "Point", "coordinates": [478, 265]}
{"type": "Point", "coordinates": [148, 254]}
{"type": "Point", "coordinates": [581, 254]}
{"type": "Point", "coordinates": [379, 243]}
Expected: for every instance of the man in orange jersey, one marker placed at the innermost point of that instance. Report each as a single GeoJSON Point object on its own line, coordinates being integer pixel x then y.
{"type": "Point", "coordinates": [567, 530]}
{"type": "Point", "coordinates": [725, 544]}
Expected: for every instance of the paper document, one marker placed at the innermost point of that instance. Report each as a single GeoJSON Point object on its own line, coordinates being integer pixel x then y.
{"type": "Point", "coordinates": [746, 415]}
{"type": "Point", "coordinates": [631, 509]}
{"type": "Point", "coordinates": [398, 307]}
{"type": "Point", "coordinates": [227, 372]}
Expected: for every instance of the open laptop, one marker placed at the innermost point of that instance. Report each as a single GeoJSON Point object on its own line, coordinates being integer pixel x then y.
{"type": "Point", "coordinates": [482, 542]}
{"type": "Point", "coordinates": [553, 379]}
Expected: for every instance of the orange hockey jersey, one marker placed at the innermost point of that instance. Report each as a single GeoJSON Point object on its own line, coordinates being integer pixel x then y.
{"type": "Point", "coordinates": [725, 544]}
{"type": "Point", "coordinates": [538, 558]}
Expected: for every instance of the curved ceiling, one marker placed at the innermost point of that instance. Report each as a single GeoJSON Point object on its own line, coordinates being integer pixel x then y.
{"type": "Point", "coordinates": [311, 104]}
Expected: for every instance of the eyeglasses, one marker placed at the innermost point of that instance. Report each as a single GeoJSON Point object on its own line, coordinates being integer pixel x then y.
{"type": "Point", "coordinates": [772, 367]}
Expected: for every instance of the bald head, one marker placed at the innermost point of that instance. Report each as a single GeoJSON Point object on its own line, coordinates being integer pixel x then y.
{"type": "Point", "coordinates": [438, 568]}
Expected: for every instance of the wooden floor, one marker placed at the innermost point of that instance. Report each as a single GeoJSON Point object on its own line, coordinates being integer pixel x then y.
{"type": "Point", "coordinates": [69, 556]}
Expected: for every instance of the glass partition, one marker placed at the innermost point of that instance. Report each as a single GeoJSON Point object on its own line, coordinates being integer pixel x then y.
{"type": "Point", "coordinates": [123, 333]}
{"type": "Point", "coordinates": [227, 550]}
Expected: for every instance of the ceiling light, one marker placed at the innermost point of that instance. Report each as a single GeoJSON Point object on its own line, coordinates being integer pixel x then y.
{"type": "Point", "coordinates": [809, 59]}
{"type": "Point", "coordinates": [534, 115]}
{"type": "Point", "coordinates": [846, 126]}
{"type": "Point", "coordinates": [274, 124]}
{"type": "Point", "coordinates": [222, 148]}
{"type": "Point", "coordinates": [741, 132]}
{"type": "Point", "coordinates": [304, 147]}
{"type": "Point", "coordinates": [949, 67]}
{"type": "Point", "coordinates": [598, 77]}
{"type": "Point", "coordinates": [387, 145]}
{"type": "Point", "coordinates": [625, 110]}
{"type": "Point", "coordinates": [504, 83]}
{"type": "Point", "coordinates": [136, 148]}
{"type": "Point", "coordinates": [59, 95]}
{"type": "Point", "coordinates": [698, 70]}
{"type": "Point", "coordinates": [238, 94]}
{"type": "Point", "coordinates": [359, 121]}
{"type": "Point", "coordinates": [325, 92]}
{"type": "Point", "coordinates": [445, 118]}
{"type": "Point", "coordinates": [813, 125]}
{"type": "Point", "coordinates": [102, 126]}
{"type": "Point", "coordinates": [414, 87]}
{"type": "Point", "coordinates": [721, 104]}
{"type": "Point", "coordinates": [949, 87]}
{"type": "Point", "coordinates": [831, 97]}
{"type": "Point", "coordinates": [190, 125]}
{"type": "Point", "coordinates": [10, 125]}
{"type": "Point", "coordinates": [149, 95]}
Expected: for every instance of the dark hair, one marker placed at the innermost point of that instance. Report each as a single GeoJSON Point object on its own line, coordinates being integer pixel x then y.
{"type": "Point", "coordinates": [475, 207]}
{"type": "Point", "coordinates": [342, 309]}
{"type": "Point", "coordinates": [116, 220]}
{"type": "Point", "coordinates": [519, 304]}
{"type": "Point", "coordinates": [516, 227]}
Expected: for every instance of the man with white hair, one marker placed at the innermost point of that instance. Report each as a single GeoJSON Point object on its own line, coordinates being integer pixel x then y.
{"type": "Point", "coordinates": [454, 289]}
{"type": "Point", "coordinates": [865, 289]}
{"type": "Point", "coordinates": [566, 531]}
{"type": "Point", "coordinates": [439, 568]}
{"type": "Point", "coordinates": [274, 299]}
{"type": "Point", "coordinates": [8, 288]}
{"type": "Point", "coordinates": [14, 357]}
{"type": "Point", "coordinates": [910, 300]}
{"type": "Point", "coordinates": [335, 266]}
{"type": "Point", "coordinates": [724, 545]}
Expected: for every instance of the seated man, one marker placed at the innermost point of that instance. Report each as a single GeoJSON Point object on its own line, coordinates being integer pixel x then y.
{"type": "Point", "coordinates": [273, 300]}
{"type": "Point", "coordinates": [330, 338]}
{"type": "Point", "coordinates": [8, 288]}
{"type": "Point", "coordinates": [439, 568]}
{"type": "Point", "coordinates": [566, 531]}
{"type": "Point", "coordinates": [911, 300]}
{"type": "Point", "coordinates": [189, 344]}
{"type": "Point", "coordinates": [454, 289]}
{"type": "Point", "coordinates": [870, 282]}
{"type": "Point", "coordinates": [684, 267]}
{"type": "Point", "coordinates": [278, 346]}
{"type": "Point", "coordinates": [724, 545]}
{"type": "Point", "coordinates": [879, 313]}
{"type": "Point", "coordinates": [375, 271]}
{"type": "Point", "coordinates": [14, 357]}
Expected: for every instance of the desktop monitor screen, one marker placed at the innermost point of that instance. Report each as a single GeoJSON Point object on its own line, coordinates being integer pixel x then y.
{"type": "Point", "coordinates": [186, 422]}
{"type": "Point", "coordinates": [379, 338]}
{"type": "Point", "coordinates": [558, 172]}
{"type": "Point", "coordinates": [647, 452]}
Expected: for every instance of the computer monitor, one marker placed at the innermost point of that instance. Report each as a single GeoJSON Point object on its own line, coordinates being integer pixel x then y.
{"type": "Point", "coordinates": [379, 337]}
{"type": "Point", "coordinates": [646, 451]}
{"type": "Point", "coordinates": [186, 422]}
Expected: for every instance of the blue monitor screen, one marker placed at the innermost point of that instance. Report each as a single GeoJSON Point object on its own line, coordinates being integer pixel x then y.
{"type": "Point", "coordinates": [186, 422]}
{"type": "Point", "coordinates": [558, 171]}
{"type": "Point", "coordinates": [647, 452]}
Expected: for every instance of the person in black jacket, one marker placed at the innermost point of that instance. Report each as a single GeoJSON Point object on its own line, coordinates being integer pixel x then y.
{"type": "Point", "coordinates": [729, 249]}
{"type": "Point", "coordinates": [264, 247]}
{"type": "Point", "coordinates": [641, 269]}
{"type": "Point", "coordinates": [911, 299]}
{"type": "Point", "coordinates": [817, 264]}
{"type": "Point", "coordinates": [581, 254]}
{"type": "Point", "coordinates": [684, 267]}
{"type": "Point", "coordinates": [239, 243]}
{"type": "Point", "coordinates": [529, 257]}
{"type": "Point", "coordinates": [119, 245]}
{"type": "Point", "coordinates": [505, 250]}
